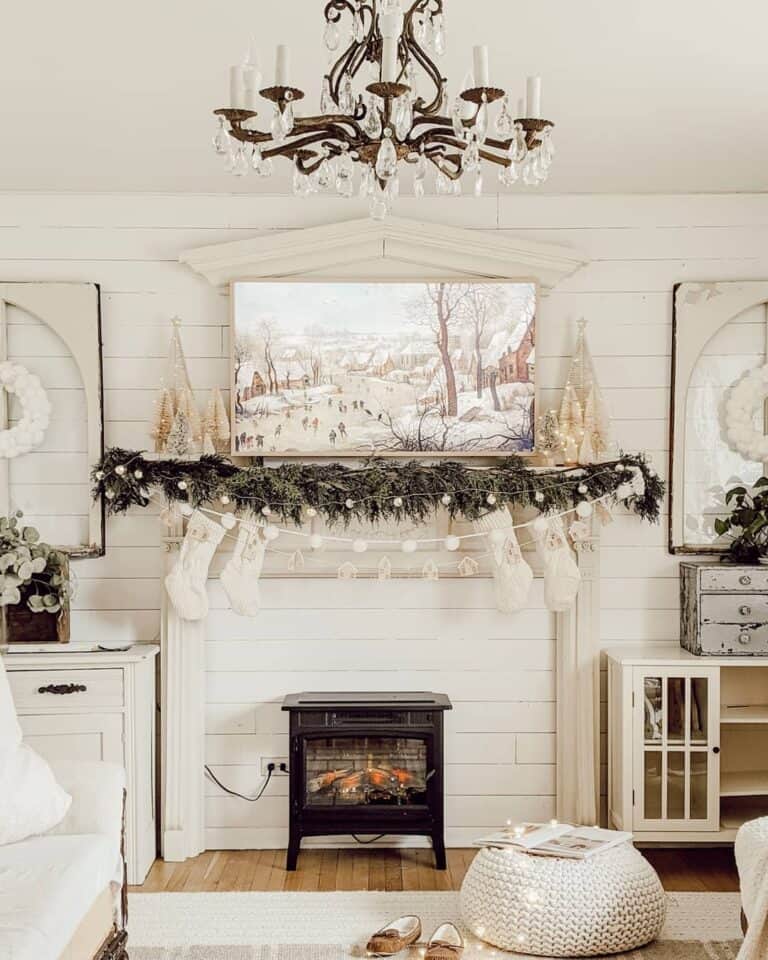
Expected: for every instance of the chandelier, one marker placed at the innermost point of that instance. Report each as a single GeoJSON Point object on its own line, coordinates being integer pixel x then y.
{"type": "Point", "coordinates": [384, 104]}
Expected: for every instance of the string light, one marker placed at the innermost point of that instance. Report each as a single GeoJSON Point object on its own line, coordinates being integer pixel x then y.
{"type": "Point", "coordinates": [120, 470]}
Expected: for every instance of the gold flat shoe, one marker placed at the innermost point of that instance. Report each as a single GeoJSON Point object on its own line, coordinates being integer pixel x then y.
{"type": "Point", "coordinates": [395, 936]}
{"type": "Point", "coordinates": [446, 943]}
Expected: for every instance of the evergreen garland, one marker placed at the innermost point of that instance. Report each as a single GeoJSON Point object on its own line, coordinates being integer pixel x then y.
{"type": "Point", "coordinates": [380, 490]}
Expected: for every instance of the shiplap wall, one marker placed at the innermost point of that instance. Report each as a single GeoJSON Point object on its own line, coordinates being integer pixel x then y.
{"type": "Point", "coordinates": [402, 635]}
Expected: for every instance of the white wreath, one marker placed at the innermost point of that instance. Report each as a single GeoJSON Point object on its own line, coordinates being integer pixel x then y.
{"type": "Point", "coordinates": [35, 410]}
{"type": "Point", "coordinates": [745, 400]}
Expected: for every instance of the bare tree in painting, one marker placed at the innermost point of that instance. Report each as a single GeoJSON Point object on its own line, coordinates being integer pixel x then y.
{"type": "Point", "coordinates": [440, 308]}
{"type": "Point", "coordinates": [243, 349]}
{"type": "Point", "coordinates": [483, 304]}
{"type": "Point", "coordinates": [268, 332]}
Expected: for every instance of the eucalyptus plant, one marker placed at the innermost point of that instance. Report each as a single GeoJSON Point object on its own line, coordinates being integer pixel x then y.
{"type": "Point", "coordinates": [747, 523]}
{"type": "Point", "coordinates": [31, 572]}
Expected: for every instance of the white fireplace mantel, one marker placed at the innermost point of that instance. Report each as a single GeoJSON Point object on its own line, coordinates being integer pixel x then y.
{"type": "Point", "coordinates": [393, 249]}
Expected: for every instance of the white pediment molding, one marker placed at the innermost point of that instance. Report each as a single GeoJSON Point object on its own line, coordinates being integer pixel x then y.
{"type": "Point", "coordinates": [439, 250]}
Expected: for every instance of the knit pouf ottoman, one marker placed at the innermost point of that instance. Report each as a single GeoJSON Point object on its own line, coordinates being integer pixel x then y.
{"type": "Point", "coordinates": [556, 907]}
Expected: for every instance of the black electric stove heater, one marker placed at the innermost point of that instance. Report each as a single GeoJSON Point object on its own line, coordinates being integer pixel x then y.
{"type": "Point", "coordinates": [366, 764]}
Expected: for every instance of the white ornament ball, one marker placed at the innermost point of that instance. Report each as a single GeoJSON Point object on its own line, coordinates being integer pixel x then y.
{"type": "Point", "coordinates": [491, 499]}
{"type": "Point", "coordinates": [584, 509]}
{"type": "Point", "coordinates": [120, 470]}
{"type": "Point", "coordinates": [109, 494]}
{"type": "Point", "coordinates": [182, 484]}
{"type": "Point", "coordinates": [538, 496]}
{"type": "Point", "coordinates": [624, 491]}
{"type": "Point", "coordinates": [99, 473]}
{"type": "Point", "coordinates": [619, 468]}
{"type": "Point", "coordinates": [315, 542]}
{"type": "Point", "coordinates": [398, 501]}
{"type": "Point", "coordinates": [138, 474]}
{"type": "Point", "coordinates": [446, 499]}
{"type": "Point", "coordinates": [266, 511]}
{"type": "Point", "coordinates": [271, 532]}
{"type": "Point", "coordinates": [540, 524]}
{"type": "Point", "coordinates": [229, 521]}
{"type": "Point", "coordinates": [349, 503]}
{"type": "Point", "coordinates": [311, 512]}
{"type": "Point", "coordinates": [359, 546]}
{"type": "Point", "coordinates": [452, 543]}
{"type": "Point", "coordinates": [582, 488]}
{"type": "Point", "coordinates": [497, 536]}
{"type": "Point", "coordinates": [224, 499]}
{"type": "Point", "coordinates": [652, 472]}
{"type": "Point", "coordinates": [186, 510]}
{"type": "Point", "coordinates": [409, 546]}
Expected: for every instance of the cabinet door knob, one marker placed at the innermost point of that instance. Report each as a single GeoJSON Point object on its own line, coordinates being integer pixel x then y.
{"type": "Point", "coordinates": [715, 749]}
{"type": "Point", "coordinates": [744, 638]}
{"type": "Point", "coordinates": [63, 688]}
{"type": "Point", "coordinates": [745, 580]}
{"type": "Point", "coordinates": [744, 610]}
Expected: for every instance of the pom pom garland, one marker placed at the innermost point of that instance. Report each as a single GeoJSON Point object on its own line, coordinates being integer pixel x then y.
{"type": "Point", "coordinates": [229, 521]}
{"type": "Point", "coordinates": [409, 546]}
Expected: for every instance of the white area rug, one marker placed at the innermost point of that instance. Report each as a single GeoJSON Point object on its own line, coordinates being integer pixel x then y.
{"type": "Point", "coordinates": [327, 926]}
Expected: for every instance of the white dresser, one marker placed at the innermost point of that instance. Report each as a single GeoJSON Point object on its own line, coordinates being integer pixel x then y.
{"type": "Point", "coordinates": [687, 743]}
{"type": "Point", "coordinates": [93, 705]}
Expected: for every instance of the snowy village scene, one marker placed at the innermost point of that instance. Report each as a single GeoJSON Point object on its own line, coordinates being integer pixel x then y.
{"type": "Point", "coordinates": [351, 369]}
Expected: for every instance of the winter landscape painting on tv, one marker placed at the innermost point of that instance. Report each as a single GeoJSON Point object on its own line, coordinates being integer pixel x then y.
{"type": "Point", "coordinates": [356, 369]}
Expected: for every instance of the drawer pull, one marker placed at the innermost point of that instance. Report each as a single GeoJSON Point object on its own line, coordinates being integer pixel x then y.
{"type": "Point", "coordinates": [744, 638]}
{"type": "Point", "coordinates": [745, 580]}
{"type": "Point", "coordinates": [62, 689]}
{"type": "Point", "coordinates": [744, 610]}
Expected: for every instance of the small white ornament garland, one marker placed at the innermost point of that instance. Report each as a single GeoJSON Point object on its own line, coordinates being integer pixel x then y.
{"type": "Point", "coordinates": [35, 410]}
{"type": "Point", "coordinates": [744, 400]}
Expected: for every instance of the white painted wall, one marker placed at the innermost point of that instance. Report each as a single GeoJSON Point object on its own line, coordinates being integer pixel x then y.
{"type": "Point", "coordinates": [403, 635]}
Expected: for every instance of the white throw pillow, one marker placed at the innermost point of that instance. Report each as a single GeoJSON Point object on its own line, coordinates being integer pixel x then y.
{"type": "Point", "coordinates": [31, 801]}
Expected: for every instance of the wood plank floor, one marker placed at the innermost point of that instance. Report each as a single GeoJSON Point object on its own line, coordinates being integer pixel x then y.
{"type": "Point", "coordinates": [393, 869]}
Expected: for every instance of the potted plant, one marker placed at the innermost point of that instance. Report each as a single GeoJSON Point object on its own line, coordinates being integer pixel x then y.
{"type": "Point", "coordinates": [35, 586]}
{"type": "Point", "coordinates": [747, 524]}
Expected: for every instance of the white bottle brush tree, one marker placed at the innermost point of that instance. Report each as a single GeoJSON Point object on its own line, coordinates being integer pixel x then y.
{"type": "Point", "coordinates": [584, 419]}
{"type": "Point", "coordinates": [176, 424]}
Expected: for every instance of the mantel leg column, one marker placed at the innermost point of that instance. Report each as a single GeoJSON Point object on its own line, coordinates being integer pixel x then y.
{"type": "Point", "coordinates": [578, 695]}
{"type": "Point", "coordinates": [182, 728]}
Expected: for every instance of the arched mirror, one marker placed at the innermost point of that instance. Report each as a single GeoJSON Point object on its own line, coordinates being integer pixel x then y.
{"type": "Point", "coordinates": [720, 333]}
{"type": "Point", "coordinates": [53, 330]}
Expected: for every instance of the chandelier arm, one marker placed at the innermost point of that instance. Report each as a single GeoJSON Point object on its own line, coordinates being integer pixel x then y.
{"type": "Point", "coordinates": [331, 120]}
{"type": "Point", "coordinates": [355, 55]}
{"type": "Point", "coordinates": [289, 149]}
{"type": "Point", "coordinates": [432, 71]}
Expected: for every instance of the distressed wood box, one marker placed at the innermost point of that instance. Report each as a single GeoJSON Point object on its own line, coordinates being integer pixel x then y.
{"type": "Point", "coordinates": [724, 609]}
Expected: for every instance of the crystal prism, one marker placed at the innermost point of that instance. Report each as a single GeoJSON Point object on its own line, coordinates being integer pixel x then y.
{"type": "Point", "coordinates": [332, 36]}
{"type": "Point", "coordinates": [386, 160]}
{"type": "Point", "coordinates": [287, 120]}
{"type": "Point", "coordinates": [240, 162]}
{"type": "Point", "coordinates": [326, 100]}
{"type": "Point", "coordinates": [457, 119]}
{"type": "Point", "coordinates": [324, 174]}
{"type": "Point", "coordinates": [301, 185]}
{"type": "Point", "coordinates": [518, 150]}
{"type": "Point", "coordinates": [471, 157]}
{"type": "Point", "coordinates": [347, 97]}
{"type": "Point", "coordinates": [276, 127]}
{"type": "Point", "coordinates": [547, 145]}
{"type": "Point", "coordinates": [358, 28]}
{"type": "Point", "coordinates": [403, 117]}
{"type": "Point", "coordinates": [372, 121]}
{"type": "Point", "coordinates": [221, 139]}
{"type": "Point", "coordinates": [438, 35]}
{"type": "Point", "coordinates": [479, 183]}
{"type": "Point", "coordinates": [505, 124]}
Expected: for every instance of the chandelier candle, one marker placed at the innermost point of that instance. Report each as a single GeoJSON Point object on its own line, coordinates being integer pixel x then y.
{"type": "Point", "coordinates": [384, 106]}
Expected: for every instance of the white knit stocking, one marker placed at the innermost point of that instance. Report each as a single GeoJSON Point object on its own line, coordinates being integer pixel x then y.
{"type": "Point", "coordinates": [512, 575]}
{"type": "Point", "coordinates": [186, 581]}
{"type": "Point", "coordinates": [240, 576]}
{"type": "Point", "coordinates": [561, 573]}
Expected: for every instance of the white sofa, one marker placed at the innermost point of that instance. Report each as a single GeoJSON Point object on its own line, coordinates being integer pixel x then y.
{"type": "Point", "coordinates": [62, 894]}
{"type": "Point", "coordinates": [751, 851]}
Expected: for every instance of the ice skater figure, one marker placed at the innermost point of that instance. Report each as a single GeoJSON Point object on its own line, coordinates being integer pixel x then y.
{"type": "Point", "coordinates": [305, 423]}
{"type": "Point", "coordinates": [330, 401]}
{"type": "Point", "coordinates": [341, 407]}
{"type": "Point", "coordinates": [343, 430]}
{"type": "Point", "coordinates": [278, 430]}
{"type": "Point", "coordinates": [379, 418]}
{"type": "Point", "coordinates": [354, 404]}
{"type": "Point", "coordinates": [259, 441]}
{"type": "Point", "coordinates": [315, 425]}
{"type": "Point", "coordinates": [332, 437]}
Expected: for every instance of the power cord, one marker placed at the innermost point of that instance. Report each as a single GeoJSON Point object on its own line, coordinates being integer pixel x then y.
{"type": "Point", "coordinates": [241, 796]}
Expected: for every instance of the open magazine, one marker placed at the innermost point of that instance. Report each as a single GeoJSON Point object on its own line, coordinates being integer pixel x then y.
{"type": "Point", "coordinates": [556, 840]}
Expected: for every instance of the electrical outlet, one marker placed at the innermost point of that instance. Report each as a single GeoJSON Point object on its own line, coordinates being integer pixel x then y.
{"type": "Point", "coordinates": [277, 772]}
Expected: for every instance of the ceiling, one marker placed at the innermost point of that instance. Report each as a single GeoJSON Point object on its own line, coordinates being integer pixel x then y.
{"type": "Point", "coordinates": [658, 96]}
